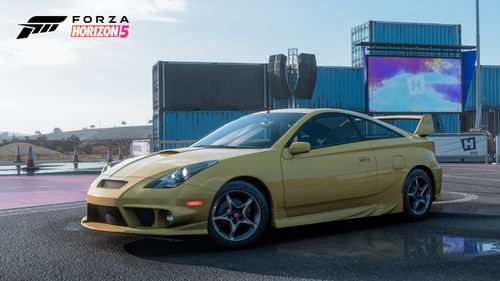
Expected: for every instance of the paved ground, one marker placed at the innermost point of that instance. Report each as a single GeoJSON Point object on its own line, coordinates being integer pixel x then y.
{"type": "Point", "coordinates": [460, 240]}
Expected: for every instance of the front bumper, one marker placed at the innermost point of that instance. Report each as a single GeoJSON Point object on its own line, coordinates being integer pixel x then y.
{"type": "Point", "coordinates": [136, 210]}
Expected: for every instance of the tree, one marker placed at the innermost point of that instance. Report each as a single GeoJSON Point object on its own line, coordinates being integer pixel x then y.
{"type": "Point", "coordinates": [124, 123]}
{"type": "Point", "coordinates": [150, 121]}
{"type": "Point", "coordinates": [92, 126]}
{"type": "Point", "coordinates": [57, 130]}
{"type": "Point", "coordinates": [38, 133]}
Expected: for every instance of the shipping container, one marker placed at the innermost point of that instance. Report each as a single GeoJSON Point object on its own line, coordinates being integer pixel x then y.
{"type": "Point", "coordinates": [209, 86]}
{"type": "Point", "coordinates": [403, 33]}
{"type": "Point", "coordinates": [181, 128]}
{"type": "Point", "coordinates": [336, 87]}
{"type": "Point", "coordinates": [490, 89]}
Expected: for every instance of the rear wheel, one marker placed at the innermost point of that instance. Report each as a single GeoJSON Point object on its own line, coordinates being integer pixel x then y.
{"type": "Point", "coordinates": [239, 215]}
{"type": "Point", "coordinates": [417, 194]}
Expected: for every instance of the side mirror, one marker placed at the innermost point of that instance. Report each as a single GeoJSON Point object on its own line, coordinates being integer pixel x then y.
{"type": "Point", "coordinates": [299, 147]}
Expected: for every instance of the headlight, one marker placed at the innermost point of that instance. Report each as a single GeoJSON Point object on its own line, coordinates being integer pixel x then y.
{"type": "Point", "coordinates": [180, 175]}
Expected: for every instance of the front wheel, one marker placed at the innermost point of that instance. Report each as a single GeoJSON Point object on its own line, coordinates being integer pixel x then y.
{"type": "Point", "coordinates": [239, 215]}
{"type": "Point", "coordinates": [417, 194]}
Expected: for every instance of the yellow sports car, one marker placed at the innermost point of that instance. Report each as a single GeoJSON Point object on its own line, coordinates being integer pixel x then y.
{"type": "Point", "coordinates": [276, 168]}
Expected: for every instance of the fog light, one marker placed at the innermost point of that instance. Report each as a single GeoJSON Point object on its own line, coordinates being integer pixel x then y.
{"type": "Point", "coordinates": [169, 217]}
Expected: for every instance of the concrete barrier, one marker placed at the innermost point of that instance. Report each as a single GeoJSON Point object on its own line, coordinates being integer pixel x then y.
{"type": "Point", "coordinates": [465, 147]}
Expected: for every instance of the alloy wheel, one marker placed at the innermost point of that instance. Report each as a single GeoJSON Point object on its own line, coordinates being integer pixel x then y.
{"type": "Point", "coordinates": [236, 215]}
{"type": "Point", "coordinates": [419, 195]}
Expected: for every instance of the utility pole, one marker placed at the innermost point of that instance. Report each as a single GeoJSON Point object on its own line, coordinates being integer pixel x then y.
{"type": "Point", "coordinates": [479, 103]}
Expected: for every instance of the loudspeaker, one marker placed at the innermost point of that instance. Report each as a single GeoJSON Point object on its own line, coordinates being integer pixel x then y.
{"type": "Point", "coordinates": [307, 76]}
{"type": "Point", "coordinates": [276, 74]}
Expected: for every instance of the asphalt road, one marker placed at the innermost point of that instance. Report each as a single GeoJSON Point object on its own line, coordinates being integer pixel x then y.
{"type": "Point", "coordinates": [460, 240]}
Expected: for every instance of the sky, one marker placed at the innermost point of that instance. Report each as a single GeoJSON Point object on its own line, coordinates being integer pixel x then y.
{"type": "Point", "coordinates": [51, 80]}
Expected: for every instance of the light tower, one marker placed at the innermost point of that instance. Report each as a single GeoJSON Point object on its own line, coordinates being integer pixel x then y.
{"type": "Point", "coordinates": [292, 68]}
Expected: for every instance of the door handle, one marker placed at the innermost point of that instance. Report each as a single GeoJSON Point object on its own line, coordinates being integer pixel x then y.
{"type": "Point", "coordinates": [364, 159]}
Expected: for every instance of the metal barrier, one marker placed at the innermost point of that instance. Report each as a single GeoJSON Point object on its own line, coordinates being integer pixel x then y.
{"type": "Point", "coordinates": [463, 147]}
{"type": "Point", "coordinates": [497, 149]}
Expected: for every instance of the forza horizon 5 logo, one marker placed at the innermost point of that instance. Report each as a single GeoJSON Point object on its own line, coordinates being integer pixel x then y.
{"type": "Point", "coordinates": [86, 26]}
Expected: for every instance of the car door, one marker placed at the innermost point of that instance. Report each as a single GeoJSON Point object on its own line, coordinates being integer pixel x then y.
{"type": "Point", "coordinates": [389, 148]}
{"type": "Point", "coordinates": [339, 167]}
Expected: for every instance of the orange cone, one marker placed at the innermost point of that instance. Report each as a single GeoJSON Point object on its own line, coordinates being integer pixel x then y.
{"type": "Point", "coordinates": [18, 156]}
{"type": "Point", "coordinates": [31, 162]}
{"type": "Point", "coordinates": [110, 155]}
{"type": "Point", "coordinates": [120, 156]}
{"type": "Point", "coordinates": [76, 152]}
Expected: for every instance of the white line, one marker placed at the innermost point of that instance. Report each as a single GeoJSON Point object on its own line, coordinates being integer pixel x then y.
{"type": "Point", "coordinates": [466, 197]}
{"type": "Point", "coordinates": [472, 169]}
{"type": "Point", "coordinates": [41, 209]}
{"type": "Point", "coordinates": [470, 178]}
{"type": "Point", "coordinates": [465, 174]}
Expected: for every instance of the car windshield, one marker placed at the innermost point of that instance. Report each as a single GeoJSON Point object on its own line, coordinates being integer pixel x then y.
{"type": "Point", "coordinates": [252, 131]}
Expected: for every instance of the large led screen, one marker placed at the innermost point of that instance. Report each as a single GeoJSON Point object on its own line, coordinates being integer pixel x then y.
{"type": "Point", "coordinates": [410, 84]}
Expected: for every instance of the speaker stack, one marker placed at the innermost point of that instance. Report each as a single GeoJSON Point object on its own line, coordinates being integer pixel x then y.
{"type": "Point", "coordinates": [277, 76]}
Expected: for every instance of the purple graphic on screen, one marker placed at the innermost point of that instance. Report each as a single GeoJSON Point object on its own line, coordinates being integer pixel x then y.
{"type": "Point", "coordinates": [409, 84]}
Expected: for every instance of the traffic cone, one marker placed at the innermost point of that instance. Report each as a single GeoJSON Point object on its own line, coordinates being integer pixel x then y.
{"type": "Point", "coordinates": [31, 162]}
{"type": "Point", "coordinates": [120, 156]}
{"type": "Point", "coordinates": [110, 155]}
{"type": "Point", "coordinates": [76, 152]}
{"type": "Point", "coordinates": [18, 156]}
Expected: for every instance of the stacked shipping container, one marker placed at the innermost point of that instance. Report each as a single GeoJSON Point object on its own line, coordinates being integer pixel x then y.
{"type": "Point", "coordinates": [192, 99]}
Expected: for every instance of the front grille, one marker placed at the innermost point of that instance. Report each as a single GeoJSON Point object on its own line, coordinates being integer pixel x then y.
{"type": "Point", "coordinates": [105, 214]}
{"type": "Point", "coordinates": [145, 216]}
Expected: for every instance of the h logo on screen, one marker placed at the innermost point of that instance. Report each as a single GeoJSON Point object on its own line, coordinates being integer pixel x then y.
{"type": "Point", "coordinates": [416, 85]}
{"type": "Point", "coordinates": [469, 144]}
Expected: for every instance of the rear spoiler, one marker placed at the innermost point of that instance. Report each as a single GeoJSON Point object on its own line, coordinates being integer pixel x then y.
{"type": "Point", "coordinates": [424, 128]}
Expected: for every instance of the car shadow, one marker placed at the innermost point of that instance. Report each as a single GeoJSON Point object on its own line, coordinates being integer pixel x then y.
{"type": "Point", "coordinates": [326, 250]}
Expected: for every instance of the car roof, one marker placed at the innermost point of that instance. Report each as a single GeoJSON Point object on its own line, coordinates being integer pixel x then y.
{"type": "Point", "coordinates": [308, 110]}
{"type": "Point", "coordinates": [315, 111]}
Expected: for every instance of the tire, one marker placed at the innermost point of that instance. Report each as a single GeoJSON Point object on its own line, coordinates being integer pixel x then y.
{"type": "Point", "coordinates": [418, 194]}
{"type": "Point", "coordinates": [239, 215]}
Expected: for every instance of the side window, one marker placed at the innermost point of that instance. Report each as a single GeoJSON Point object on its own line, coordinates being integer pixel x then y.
{"type": "Point", "coordinates": [327, 130]}
{"type": "Point", "coordinates": [373, 131]}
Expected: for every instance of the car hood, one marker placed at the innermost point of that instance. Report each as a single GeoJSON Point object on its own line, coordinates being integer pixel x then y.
{"type": "Point", "coordinates": [153, 164]}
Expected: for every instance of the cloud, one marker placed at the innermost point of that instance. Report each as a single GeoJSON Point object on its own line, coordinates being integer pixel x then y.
{"type": "Point", "coordinates": [55, 49]}
{"type": "Point", "coordinates": [144, 10]}
{"type": "Point", "coordinates": [15, 53]}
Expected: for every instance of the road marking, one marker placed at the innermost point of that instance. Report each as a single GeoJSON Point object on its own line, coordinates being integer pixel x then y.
{"type": "Point", "coordinates": [465, 174]}
{"type": "Point", "coordinates": [41, 209]}
{"type": "Point", "coordinates": [466, 197]}
{"type": "Point", "coordinates": [472, 169]}
{"type": "Point", "coordinates": [471, 178]}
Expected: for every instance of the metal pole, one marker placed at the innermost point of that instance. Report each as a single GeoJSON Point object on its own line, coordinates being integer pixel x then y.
{"type": "Point", "coordinates": [478, 72]}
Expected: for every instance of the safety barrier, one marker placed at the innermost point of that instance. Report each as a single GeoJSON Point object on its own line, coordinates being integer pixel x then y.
{"type": "Point", "coordinates": [463, 147]}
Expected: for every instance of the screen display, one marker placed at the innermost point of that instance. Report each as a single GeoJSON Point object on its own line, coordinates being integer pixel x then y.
{"type": "Point", "coordinates": [410, 84]}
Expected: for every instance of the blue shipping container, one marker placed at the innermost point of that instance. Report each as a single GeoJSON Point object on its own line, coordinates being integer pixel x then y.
{"type": "Point", "coordinates": [336, 87]}
{"type": "Point", "coordinates": [403, 33]}
{"type": "Point", "coordinates": [490, 89]}
{"type": "Point", "coordinates": [193, 125]}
